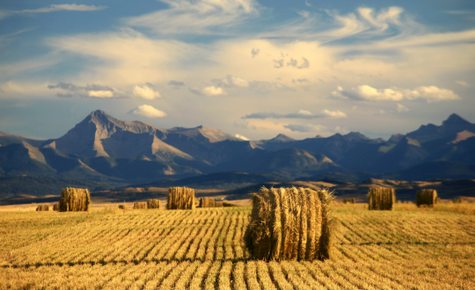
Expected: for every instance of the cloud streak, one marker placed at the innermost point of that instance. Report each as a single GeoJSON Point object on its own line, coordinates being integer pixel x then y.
{"type": "Point", "coordinates": [301, 114]}
{"type": "Point", "coordinates": [367, 93]}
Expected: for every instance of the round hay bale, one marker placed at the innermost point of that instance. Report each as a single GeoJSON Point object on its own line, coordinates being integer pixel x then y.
{"type": "Point", "coordinates": [207, 202]}
{"type": "Point", "coordinates": [140, 205]}
{"type": "Point", "coordinates": [380, 198]}
{"type": "Point", "coordinates": [153, 204]}
{"type": "Point", "coordinates": [181, 198]}
{"type": "Point", "coordinates": [426, 197]}
{"type": "Point", "coordinates": [75, 199]}
{"type": "Point", "coordinates": [43, 207]}
{"type": "Point", "coordinates": [287, 223]}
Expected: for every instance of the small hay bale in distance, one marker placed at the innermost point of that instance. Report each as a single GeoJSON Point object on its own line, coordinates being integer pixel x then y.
{"type": "Point", "coordinates": [207, 202]}
{"type": "Point", "coordinates": [181, 198]}
{"type": "Point", "coordinates": [290, 224]}
{"type": "Point", "coordinates": [426, 197]}
{"type": "Point", "coordinates": [153, 204]}
{"type": "Point", "coordinates": [43, 207]}
{"type": "Point", "coordinates": [140, 205]}
{"type": "Point", "coordinates": [219, 204]}
{"type": "Point", "coordinates": [75, 199]}
{"type": "Point", "coordinates": [56, 207]}
{"type": "Point", "coordinates": [121, 206]}
{"type": "Point", "coordinates": [380, 198]}
{"type": "Point", "coordinates": [349, 200]}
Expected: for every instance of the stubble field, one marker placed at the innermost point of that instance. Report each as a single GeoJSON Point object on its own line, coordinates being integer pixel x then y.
{"type": "Point", "coordinates": [203, 249]}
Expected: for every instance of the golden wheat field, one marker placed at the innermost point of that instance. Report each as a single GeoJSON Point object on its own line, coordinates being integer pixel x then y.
{"type": "Point", "coordinates": [203, 249]}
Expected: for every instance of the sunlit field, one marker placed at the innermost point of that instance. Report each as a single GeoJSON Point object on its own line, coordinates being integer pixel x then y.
{"type": "Point", "coordinates": [407, 248]}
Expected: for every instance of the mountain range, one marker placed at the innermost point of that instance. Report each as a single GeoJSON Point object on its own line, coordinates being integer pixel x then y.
{"type": "Point", "coordinates": [102, 148]}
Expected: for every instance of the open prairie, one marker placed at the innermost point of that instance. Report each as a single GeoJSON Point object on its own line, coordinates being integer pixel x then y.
{"type": "Point", "coordinates": [407, 248]}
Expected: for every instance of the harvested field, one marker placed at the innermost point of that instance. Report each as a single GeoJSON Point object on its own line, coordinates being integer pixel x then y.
{"type": "Point", "coordinates": [418, 248]}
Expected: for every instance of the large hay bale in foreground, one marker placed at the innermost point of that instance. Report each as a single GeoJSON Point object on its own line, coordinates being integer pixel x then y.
{"type": "Point", "coordinates": [181, 198]}
{"type": "Point", "coordinates": [56, 207]}
{"type": "Point", "coordinates": [290, 224]}
{"type": "Point", "coordinates": [75, 199]}
{"type": "Point", "coordinates": [349, 200]}
{"type": "Point", "coordinates": [140, 205]}
{"type": "Point", "coordinates": [381, 198]}
{"type": "Point", "coordinates": [426, 197]}
{"type": "Point", "coordinates": [43, 207]}
{"type": "Point", "coordinates": [207, 202]}
{"type": "Point", "coordinates": [153, 203]}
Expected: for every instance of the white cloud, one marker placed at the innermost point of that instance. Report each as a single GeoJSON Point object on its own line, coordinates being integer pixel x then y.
{"type": "Point", "coordinates": [300, 114]}
{"type": "Point", "coordinates": [241, 137]}
{"type": "Point", "coordinates": [368, 93]}
{"type": "Point", "coordinates": [401, 108]}
{"type": "Point", "coordinates": [100, 94]}
{"type": "Point", "coordinates": [148, 111]}
{"type": "Point", "coordinates": [197, 17]}
{"type": "Point", "coordinates": [208, 91]}
{"type": "Point", "coordinates": [146, 92]}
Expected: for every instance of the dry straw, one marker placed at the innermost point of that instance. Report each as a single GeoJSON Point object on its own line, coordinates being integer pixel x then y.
{"type": "Point", "coordinates": [181, 198]}
{"type": "Point", "coordinates": [140, 205]}
{"type": "Point", "coordinates": [426, 197]}
{"type": "Point", "coordinates": [43, 207]}
{"type": "Point", "coordinates": [207, 202]}
{"type": "Point", "coordinates": [381, 198]}
{"type": "Point", "coordinates": [56, 207]}
{"type": "Point", "coordinates": [75, 199]}
{"type": "Point", "coordinates": [349, 200]}
{"type": "Point", "coordinates": [219, 204]}
{"type": "Point", "coordinates": [290, 224]}
{"type": "Point", "coordinates": [153, 203]}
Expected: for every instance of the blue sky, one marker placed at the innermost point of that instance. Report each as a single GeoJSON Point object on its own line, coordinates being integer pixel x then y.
{"type": "Point", "coordinates": [251, 68]}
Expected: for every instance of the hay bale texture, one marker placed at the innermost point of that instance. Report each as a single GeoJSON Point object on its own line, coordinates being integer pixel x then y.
{"type": "Point", "coordinates": [207, 202]}
{"type": "Point", "coordinates": [153, 203]}
{"type": "Point", "coordinates": [349, 200]}
{"type": "Point", "coordinates": [181, 198]}
{"type": "Point", "coordinates": [56, 207]}
{"type": "Point", "coordinates": [426, 197]}
{"type": "Point", "coordinates": [289, 224]}
{"type": "Point", "coordinates": [140, 205]}
{"type": "Point", "coordinates": [43, 207]}
{"type": "Point", "coordinates": [381, 198]}
{"type": "Point", "coordinates": [75, 199]}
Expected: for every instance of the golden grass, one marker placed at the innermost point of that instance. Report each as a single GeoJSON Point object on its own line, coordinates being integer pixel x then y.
{"type": "Point", "coordinates": [75, 199]}
{"type": "Point", "coordinates": [290, 224]}
{"type": "Point", "coordinates": [381, 198]}
{"type": "Point", "coordinates": [426, 197]}
{"type": "Point", "coordinates": [181, 198]}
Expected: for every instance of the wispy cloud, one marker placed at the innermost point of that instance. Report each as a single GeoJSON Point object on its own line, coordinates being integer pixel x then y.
{"type": "Point", "coordinates": [54, 7]}
{"type": "Point", "coordinates": [304, 128]}
{"type": "Point", "coordinates": [197, 17]}
{"type": "Point", "coordinates": [92, 91]}
{"type": "Point", "coordinates": [231, 82]}
{"type": "Point", "coordinates": [368, 93]}
{"type": "Point", "coordinates": [301, 114]}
